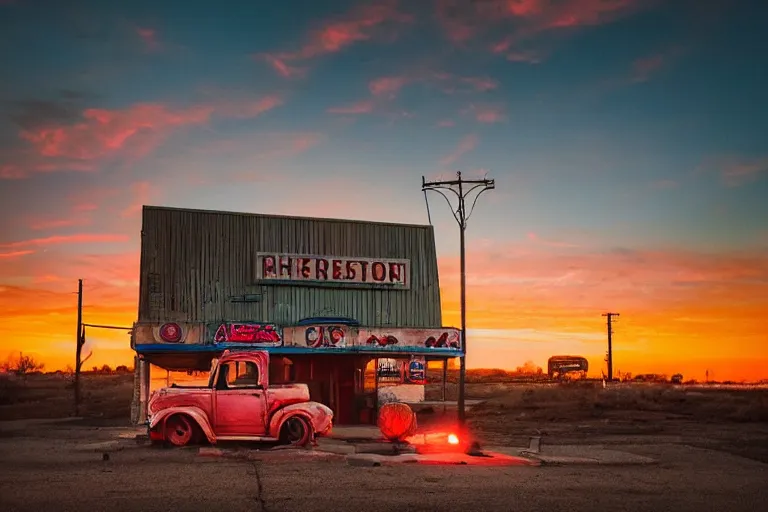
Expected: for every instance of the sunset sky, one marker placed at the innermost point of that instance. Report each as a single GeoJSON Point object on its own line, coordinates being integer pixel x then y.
{"type": "Point", "coordinates": [628, 140]}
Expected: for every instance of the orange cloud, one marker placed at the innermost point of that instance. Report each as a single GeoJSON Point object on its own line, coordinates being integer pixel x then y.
{"type": "Point", "coordinates": [361, 107]}
{"type": "Point", "coordinates": [465, 145]}
{"type": "Point", "coordinates": [362, 23]}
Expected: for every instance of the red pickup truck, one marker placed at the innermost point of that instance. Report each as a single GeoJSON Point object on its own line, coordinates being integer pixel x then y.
{"type": "Point", "coordinates": [238, 404]}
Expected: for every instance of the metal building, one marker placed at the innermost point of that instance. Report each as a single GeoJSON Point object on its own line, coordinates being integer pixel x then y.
{"type": "Point", "coordinates": [327, 298]}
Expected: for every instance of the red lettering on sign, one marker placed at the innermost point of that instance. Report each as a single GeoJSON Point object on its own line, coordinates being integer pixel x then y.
{"type": "Point", "coordinates": [337, 269]}
{"type": "Point", "coordinates": [268, 266]}
{"type": "Point", "coordinates": [322, 269]}
{"type": "Point", "coordinates": [351, 271]}
{"type": "Point", "coordinates": [378, 271]}
{"type": "Point", "coordinates": [305, 270]}
{"type": "Point", "coordinates": [394, 272]}
{"type": "Point", "coordinates": [364, 266]}
{"type": "Point", "coordinates": [285, 266]}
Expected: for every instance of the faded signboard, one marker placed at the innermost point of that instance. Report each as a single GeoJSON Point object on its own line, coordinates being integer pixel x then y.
{"type": "Point", "coordinates": [250, 333]}
{"type": "Point", "coordinates": [336, 270]}
{"type": "Point", "coordinates": [168, 332]}
{"type": "Point", "coordinates": [385, 338]}
{"type": "Point", "coordinates": [366, 339]}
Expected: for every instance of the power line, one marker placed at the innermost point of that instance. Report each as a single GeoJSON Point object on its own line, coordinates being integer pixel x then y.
{"type": "Point", "coordinates": [457, 187]}
{"type": "Point", "coordinates": [609, 322]}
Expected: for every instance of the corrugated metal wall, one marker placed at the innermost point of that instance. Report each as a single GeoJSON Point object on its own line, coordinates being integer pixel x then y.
{"type": "Point", "coordinates": [193, 262]}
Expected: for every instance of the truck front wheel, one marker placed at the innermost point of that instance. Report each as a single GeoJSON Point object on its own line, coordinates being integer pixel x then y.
{"type": "Point", "coordinates": [179, 430]}
{"type": "Point", "coordinates": [296, 431]}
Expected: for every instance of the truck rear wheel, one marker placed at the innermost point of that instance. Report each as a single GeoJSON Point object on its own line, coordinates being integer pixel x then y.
{"type": "Point", "coordinates": [296, 431]}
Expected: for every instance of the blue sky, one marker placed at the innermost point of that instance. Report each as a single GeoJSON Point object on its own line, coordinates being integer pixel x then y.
{"type": "Point", "coordinates": [611, 126]}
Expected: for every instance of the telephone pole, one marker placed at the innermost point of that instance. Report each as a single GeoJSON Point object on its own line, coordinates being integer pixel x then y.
{"type": "Point", "coordinates": [79, 343]}
{"type": "Point", "coordinates": [462, 189]}
{"type": "Point", "coordinates": [609, 321]}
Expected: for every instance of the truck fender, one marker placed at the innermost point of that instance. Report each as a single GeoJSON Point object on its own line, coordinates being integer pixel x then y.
{"type": "Point", "coordinates": [313, 412]}
{"type": "Point", "coordinates": [195, 413]}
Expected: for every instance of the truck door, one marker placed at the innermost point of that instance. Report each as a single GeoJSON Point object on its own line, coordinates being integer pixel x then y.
{"type": "Point", "coordinates": [240, 400]}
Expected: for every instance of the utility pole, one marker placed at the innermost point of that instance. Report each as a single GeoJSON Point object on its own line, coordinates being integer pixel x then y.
{"type": "Point", "coordinates": [79, 342]}
{"type": "Point", "coordinates": [462, 189]}
{"type": "Point", "coordinates": [608, 321]}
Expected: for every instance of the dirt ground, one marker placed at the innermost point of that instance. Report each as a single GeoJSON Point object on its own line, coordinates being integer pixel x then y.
{"type": "Point", "coordinates": [711, 446]}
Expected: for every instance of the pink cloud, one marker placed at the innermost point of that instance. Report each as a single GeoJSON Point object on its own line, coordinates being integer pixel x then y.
{"type": "Point", "coordinates": [133, 131]}
{"type": "Point", "coordinates": [41, 225]}
{"type": "Point", "coordinates": [642, 69]}
{"type": "Point", "coordinates": [283, 69]}
{"type": "Point", "coordinates": [149, 37]}
{"type": "Point", "coordinates": [11, 172]}
{"type": "Point", "coordinates": [68, 239]}
{"type": "Point", "coordinates": [737, 172]}
{"type": "Point", "coordinates": [527, 19]}
{"type": "Point", "coordinates": [446, 123]}
{"type": "Point", "coordinates": [361, 107]}
{"type": "Point", "coordinates": [14, 254]}
{"type": "Point", "coordinates": [464, 146]}
{"type": "Point", "coordinates": [487, 114]}
{"type": "Point", "coordinates": [142, 191]}
{"type": "Point", "coordinates": [362, 23]}
{"type": "Point", "coordinates": [387, 86]}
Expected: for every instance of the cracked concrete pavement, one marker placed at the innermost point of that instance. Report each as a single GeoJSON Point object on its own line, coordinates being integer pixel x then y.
{"type": "Point", "coordinates": [61, 467]}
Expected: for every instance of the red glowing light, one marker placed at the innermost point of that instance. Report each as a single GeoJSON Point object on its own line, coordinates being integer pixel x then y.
{"type": "Point", "coordinates": [453, 439]}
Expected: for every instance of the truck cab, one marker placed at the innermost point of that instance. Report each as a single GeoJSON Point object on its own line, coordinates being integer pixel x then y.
{"type": "Point", "coordinates": [238, 404]}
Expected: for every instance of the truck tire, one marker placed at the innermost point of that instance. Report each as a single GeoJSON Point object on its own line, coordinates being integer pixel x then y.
{"type": "Point", "coordinates": [296, 431]}
{"type": "Point", "coordinates": [180, 430]}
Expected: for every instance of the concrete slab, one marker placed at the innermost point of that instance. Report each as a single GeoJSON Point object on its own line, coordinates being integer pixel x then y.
{"type": "Point", "coordinates": [358, 432]}
{"type": "Point", "coordinates": [492, 459]}
{"type": "Point", "coordinates": [104, 447]}
{"type": "Point", "coordinates": [576, 455]}
{"type": "Point", "coordinates": [337, 446]}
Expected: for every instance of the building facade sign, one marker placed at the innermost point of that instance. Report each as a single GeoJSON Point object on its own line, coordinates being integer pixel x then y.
{"type": "Point", "coordinates": [308, 269]}
{"type": "Point", "coordinates": [308, 338]}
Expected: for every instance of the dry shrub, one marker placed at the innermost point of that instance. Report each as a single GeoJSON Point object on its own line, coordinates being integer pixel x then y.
{"type": "Point", "coordinates": [584, 401]}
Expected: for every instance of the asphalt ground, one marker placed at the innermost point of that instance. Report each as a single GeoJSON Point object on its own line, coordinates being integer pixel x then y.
{"type": "Point", "coordinates": [66, 466]}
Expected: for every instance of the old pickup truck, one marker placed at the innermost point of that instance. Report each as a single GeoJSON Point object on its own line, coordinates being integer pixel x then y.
{"type": "Point", "coordinates": [238, 404]}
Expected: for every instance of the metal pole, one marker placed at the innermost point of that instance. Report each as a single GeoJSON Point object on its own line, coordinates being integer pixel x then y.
{"type": "Point", "coordinates": [610, 351]}
{"type": "Point", "coordinates": [462, 361]}
{"type": "Point", "coordinates": [79, 344]}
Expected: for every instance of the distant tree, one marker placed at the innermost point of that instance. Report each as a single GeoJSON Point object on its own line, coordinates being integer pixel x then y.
{"type": "Point", "coordinates": [106, 369]}
{"type": "Point", "coordinates": [94, 369]}
{"type": "Point", "coordinates": [23, 365]}
{"type": "Point", "coordinates": [529, 368]}
{"type": "Point", "coordinates": [122, 369]}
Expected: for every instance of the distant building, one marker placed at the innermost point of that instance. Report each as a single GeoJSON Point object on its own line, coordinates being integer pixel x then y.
{"type": "Point", "coordinates": [558, 366]}
{"type": "Point", "coordinates": [327, 298]}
